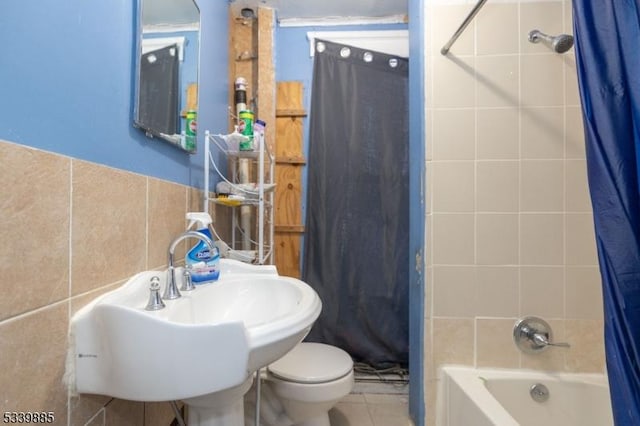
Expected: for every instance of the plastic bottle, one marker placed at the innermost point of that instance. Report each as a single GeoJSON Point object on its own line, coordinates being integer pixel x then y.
{"type": "Point", "coordinates": [204, 265]}
{"type": "Point", "coordinates": [258, 133]}
{"type": "Point", "coordinates": [190, 131]}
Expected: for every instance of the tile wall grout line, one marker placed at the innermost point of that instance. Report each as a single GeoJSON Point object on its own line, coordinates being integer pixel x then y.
{"type": "Point", "coordinates": [564, 176]}
{"type": "Point", "coordinates": [59, 302]}
{"type": "Point", "coordinates": [70, 274]}
{"type": "Point", "coordinates": [99, 289]}
{"type": "Point", "coordinates": [146, 224]}
{"type": "Point", "coordinates": [95, 416]}
{"type": "Point", "coordinates": [429, 194]}
{"type": "Point", "coordinates": [520, 108]}
{"type": "Point", "coordinates": [475, 341]}
{"type": "Point", "coordinates": [475, 184]}
{"type": "Point", "coordinates": [70, 293]}
{"type": "Point", "coordinates": [187, 199]}
{"type": "Point", "coordinates": [429, 241]}
{"type": "Point", "coordinates": [22, 315]}
{"type": "Point", "coordinates": [566, 206]}
{"type": "Point", "coordinates": [475, 160]}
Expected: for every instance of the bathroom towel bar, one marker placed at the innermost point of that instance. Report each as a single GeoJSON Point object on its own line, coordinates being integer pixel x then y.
{"type": "Point", "coordinates": [461, 28]}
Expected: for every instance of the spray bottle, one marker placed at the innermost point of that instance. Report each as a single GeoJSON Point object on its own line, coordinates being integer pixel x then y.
{"type": "Point", "coordinates": [203, 264]}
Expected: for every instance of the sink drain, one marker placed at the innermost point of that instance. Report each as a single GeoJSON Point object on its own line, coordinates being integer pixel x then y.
{"type": "Point", "coordinates": [539, 392]}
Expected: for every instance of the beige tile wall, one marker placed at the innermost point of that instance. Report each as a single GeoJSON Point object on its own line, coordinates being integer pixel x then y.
{"type": "Point", "coordinates": [72, 230]}
{"type": "Point", "coordinates": [509, 222]}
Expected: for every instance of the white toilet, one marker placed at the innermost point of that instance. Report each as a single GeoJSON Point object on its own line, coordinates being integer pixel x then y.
{"type": "Point", "coordinates": [300, 388]}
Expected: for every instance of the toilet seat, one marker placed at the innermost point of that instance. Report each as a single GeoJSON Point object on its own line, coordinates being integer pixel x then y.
{"type": "Point", "coordinates": [312, 363]}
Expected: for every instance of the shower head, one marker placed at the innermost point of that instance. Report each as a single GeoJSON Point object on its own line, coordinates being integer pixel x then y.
{"type": "Point", "coordinates": [559, 44]}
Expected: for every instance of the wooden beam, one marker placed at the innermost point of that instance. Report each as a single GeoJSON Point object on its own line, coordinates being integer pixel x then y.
{"type": "Point", "coordinates": [290, 228]}
{"type": "Point", "coordinates": [291, 160]}
{"type": "Point", "coordinates": [291, 113]}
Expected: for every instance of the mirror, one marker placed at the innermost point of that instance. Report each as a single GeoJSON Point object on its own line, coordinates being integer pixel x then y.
{"type": "Point", "coordinates": [166, 92]}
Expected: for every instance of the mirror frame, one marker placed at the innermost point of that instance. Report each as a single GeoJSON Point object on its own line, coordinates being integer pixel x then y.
{"type": "Point", "coordinates": [176, 139]}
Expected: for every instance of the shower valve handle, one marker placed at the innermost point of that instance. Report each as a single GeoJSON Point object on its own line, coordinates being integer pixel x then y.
{"type": "Point", "coordinates": [560, 345]}
{"type": "Point", "coordinates": [541, 341]}
{"type": "Point", "coordinates": [532, 335]}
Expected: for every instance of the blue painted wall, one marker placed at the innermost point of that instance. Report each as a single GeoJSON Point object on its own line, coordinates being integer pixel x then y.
{"type": "Point", "coordinates": [66, 84]}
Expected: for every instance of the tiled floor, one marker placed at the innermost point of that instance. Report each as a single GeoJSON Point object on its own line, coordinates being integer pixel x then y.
{"type": "Point", "coordinates": [371, 409]}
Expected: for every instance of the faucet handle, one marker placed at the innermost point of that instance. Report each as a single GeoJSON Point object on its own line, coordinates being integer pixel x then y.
{"type": "Point", "coordinates": [532, 335]}
{"type": "Point", "coordinates": [560, 344]}
{"type": "Point", "coordinates": [187, 283]}
{"type": "Point", "coordinates": [155, 283]}
{"type": "Point", "coordinates": [541, 340]}
{"type": "Point", "coordinates": [155, 302]}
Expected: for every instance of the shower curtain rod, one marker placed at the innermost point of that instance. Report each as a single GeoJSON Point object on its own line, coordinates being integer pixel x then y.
{"type": "Point", "coordinates": [461, 28]}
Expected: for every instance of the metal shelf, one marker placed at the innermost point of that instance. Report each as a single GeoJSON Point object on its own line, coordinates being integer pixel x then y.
{"type": "Point", "coordinates": [259, 195]}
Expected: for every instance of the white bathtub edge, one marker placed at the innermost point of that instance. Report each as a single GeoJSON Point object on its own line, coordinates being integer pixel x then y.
{"type": "Point", "coordinates": [465, 397]}
{"type": "Point", "coordinates": [484, 402]}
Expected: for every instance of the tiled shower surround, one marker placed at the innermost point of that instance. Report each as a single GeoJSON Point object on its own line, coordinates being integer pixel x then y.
{"type": "Point", "coordinates": [509, 220]}
{"type": "Point", "coordinates": [72, 230]}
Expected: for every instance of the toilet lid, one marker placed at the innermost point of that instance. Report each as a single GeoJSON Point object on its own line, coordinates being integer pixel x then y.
{"type": "Point", "coordinates": [312, 363]}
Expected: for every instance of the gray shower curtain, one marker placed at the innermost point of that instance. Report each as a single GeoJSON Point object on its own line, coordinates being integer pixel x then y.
{"type": "Point", "coordinates": [159, 97]}
{"type": "Point", "coordinates": [356, 252]}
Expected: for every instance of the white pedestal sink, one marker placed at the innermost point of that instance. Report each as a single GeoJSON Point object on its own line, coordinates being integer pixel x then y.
{"type": "Point", "coordinates": [202, 348]}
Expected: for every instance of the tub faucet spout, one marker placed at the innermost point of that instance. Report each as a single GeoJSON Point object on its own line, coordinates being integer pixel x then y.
{"type": "Point", "coordinates": [171, 290]}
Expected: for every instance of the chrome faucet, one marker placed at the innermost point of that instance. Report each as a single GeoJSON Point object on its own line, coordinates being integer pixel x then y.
{"type": "Point", "coordinates": [171, 290]}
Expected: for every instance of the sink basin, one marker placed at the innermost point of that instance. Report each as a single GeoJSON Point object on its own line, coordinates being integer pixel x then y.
{"type": "Point", "coordinates": [211, 339]}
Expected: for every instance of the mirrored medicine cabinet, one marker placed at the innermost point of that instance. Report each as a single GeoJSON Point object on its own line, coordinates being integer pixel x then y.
{"type": "Point", "coordinates": [166, 69]}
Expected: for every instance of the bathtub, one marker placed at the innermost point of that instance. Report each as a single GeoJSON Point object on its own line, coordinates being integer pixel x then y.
{"type": "Point", "coordinates": [490, 397]}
